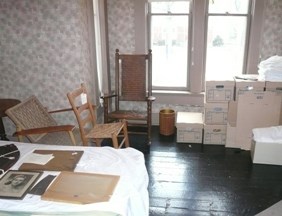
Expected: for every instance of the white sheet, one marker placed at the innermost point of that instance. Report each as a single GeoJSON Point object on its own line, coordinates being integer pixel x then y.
{"type": "Point", "coordinates": [130, 197]}
{"type": "Point", "coordinates": [268, 134]}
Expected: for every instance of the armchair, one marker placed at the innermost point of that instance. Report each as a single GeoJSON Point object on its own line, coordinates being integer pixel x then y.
{"type": "Point", "coordinates": [33, 121]}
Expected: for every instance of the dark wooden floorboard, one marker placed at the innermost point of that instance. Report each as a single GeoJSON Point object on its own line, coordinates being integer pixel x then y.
{"type": "Point", "coordinates": [201, 180]}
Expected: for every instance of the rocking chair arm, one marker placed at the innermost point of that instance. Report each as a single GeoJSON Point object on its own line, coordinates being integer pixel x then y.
{"type": "Point", "coordinates": [105, 97]}
{"type": "Point", "coordinates": [151, 98]}
{"type": "Point", "coordinates": [60, 110]}
{"type": "Point", "coordinates": [42, 130]}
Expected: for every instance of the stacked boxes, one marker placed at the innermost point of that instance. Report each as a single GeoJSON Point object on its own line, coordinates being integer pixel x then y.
{"type": "Point", "coordinates": [252, 108]}
{"type": "Point", "coordinates": [218, 94]}
{"type": "Point", "coordinates": [189, 127]}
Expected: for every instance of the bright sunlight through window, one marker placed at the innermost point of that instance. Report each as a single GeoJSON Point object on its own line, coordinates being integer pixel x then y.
{"type": "Point", "coordinates": [169, 42]}
{"type": "Point", "coordinates": [226, 38]}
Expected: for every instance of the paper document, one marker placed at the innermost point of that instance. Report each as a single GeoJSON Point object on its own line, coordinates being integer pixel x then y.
{"type": "Point", "coordinates": [40, 159]}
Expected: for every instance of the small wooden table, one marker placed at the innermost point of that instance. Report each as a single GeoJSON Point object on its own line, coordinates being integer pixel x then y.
{"type": "Point", "coordinates": [4, 105]}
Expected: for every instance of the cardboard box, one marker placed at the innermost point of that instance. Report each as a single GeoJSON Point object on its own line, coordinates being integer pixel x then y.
{"type": "Point", "coordinates": [246, 85]}
{"type": "Point", "coordinates": [214, 134]}
{"type": "Point", "coordinates": [255, 110]}
{"type": "Point", "coordinates": [189, 127]}
{"type": "Point", "coordinates": [219, 90]}
{"type": "Point", "coordinates": [275, 87]}
{"type": "Point", "coordinates": [266, 153]}
{"type": "Point", "coordinates": [231, 126]}
{"type": "Point", "coordinates": [215, 113]}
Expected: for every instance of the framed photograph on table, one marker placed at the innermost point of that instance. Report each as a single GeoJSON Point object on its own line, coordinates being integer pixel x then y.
{"type": "Point", "coordinates": [15, 184]}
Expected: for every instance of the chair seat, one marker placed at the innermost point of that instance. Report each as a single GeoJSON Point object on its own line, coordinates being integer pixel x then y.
{"type": "Point", "coordinates": [128, 114]}
{"type": "Point", "coordinates": [60, 138]}
{"type": "Point", "coordinates": [102, 131]}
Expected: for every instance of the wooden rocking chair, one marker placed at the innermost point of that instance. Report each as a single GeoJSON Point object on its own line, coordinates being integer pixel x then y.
{"type": "Point", "coordinates": [133, 83]}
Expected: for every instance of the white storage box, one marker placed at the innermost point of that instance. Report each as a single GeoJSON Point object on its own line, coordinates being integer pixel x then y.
{"type": "Point", "coordinates": [219, 90]}
{"type": "Point", "coordinates": [254, 110]}
{"type": "Point", "coordinates": [214, 134]}
{"type": "Point", "coordinates": [231, 126]}
{"type": "Point", "coordinates": [267, 145]}
{"type": "Point", "coordinates": [216, 113]}
{"type": "Point", "coordinates": [189, 127]}
{"type": "Point", "coordinates": [245, 85]}
{"type": "Point", "coordinates": [266, 153]}
{"type": "Point", "coordinates": [275, 87]}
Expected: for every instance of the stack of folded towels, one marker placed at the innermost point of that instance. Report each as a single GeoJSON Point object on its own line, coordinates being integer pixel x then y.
{"type": "Point", "coordinates": [271, 69]}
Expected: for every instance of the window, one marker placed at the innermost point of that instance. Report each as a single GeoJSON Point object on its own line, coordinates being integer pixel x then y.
{"type": "Point", "coordinates": [227, 31]}
{"type": "Point", "coordinates": [169, 23]}
{"type": "Point", "coordinates": [177, 56]}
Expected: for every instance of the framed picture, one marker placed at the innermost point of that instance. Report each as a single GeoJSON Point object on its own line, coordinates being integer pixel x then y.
{"type": "Point", "coordinates": [15, 184]}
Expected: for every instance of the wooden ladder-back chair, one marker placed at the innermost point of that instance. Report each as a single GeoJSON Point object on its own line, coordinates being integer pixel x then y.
{"type": "Point", "coordinates": [88, 127]}
{"type": "Point", "coordinates": [133, 83]}
{"type": "Point", "coordinates": [34, 122]}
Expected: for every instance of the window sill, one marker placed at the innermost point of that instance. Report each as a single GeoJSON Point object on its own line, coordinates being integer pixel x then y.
{"type": "Point", "coordinates": [179, 97]}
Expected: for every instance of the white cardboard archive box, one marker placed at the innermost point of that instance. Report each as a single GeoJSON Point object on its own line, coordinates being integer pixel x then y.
{"type": "Point", "coordinates": [189, 127]}
{"type": "Point", "coordinates": [231, 126]}
{"type": "Point", "coordinates": [267, 145]}
{"type": "Point", "coordinates": [266, 153]}
{"type": "Point", "coordinates": [252, 110]}
{"type": "Point", "coordinates": [245, 85]}
{"type": "Point", "coordinates": [275, 87]}
{"type": "Point", "coordinates": [215, 113]}
{"type": "Point", "coordinates": [214, 134]}
{"type": "Point", "coordinates": [219, 90]}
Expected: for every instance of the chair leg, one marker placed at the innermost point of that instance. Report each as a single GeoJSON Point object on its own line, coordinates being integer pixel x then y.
{"type": "Point", "coordinates": [125, 133]}
{"type": "Point", "coordinates": [115, 141]}
{"type": "Point", "coordinates": [98, 142]}
{"type": "Point", "coordinates": [72, 137]}
{"type": "Point", "coordinates": [20, 137]}
{"type": "Point", "coordinates": [149, 134]}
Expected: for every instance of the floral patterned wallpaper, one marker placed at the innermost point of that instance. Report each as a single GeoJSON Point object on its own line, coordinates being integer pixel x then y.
{"type": "Point", "coordinates": [44, 51]}
{"type": "Point", "coordinates": [120, 29]}
{"type": "Point", "coordinates": [271, 43]}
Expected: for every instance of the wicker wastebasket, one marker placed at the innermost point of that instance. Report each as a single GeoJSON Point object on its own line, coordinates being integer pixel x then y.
{"type": "Point", "coordinates": [167, 122]}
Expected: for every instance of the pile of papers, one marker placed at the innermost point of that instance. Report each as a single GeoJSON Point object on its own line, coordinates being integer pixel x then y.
{"type": "Point", "coordinates": [271, 69]}
{"type": "Point", "coordinates": [40, 159]}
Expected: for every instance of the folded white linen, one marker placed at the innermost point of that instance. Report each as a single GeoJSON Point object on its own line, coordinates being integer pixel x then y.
{"type": "Point", "coordinates": [271, 69]}
{"type": "Point", "coordinates": [268, 134]}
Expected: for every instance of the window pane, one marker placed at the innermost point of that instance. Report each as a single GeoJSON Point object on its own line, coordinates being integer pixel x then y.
{"type": "Point", "coordinates": [170, 7]}
{"type": "Point", "coordinates": [225, 46]}
{"type": "Point", "coordinates": [169, 42]}
{"type": "Point", "coordinates": [229, 6]}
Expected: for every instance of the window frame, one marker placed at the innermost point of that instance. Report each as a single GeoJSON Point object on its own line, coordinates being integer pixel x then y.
{"type": "Point", "coordinates": [248, 16]}
{"type": "Point", "coordinates": [189, 52]}
{"type": "Point", "coordinates": [195, 95]}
